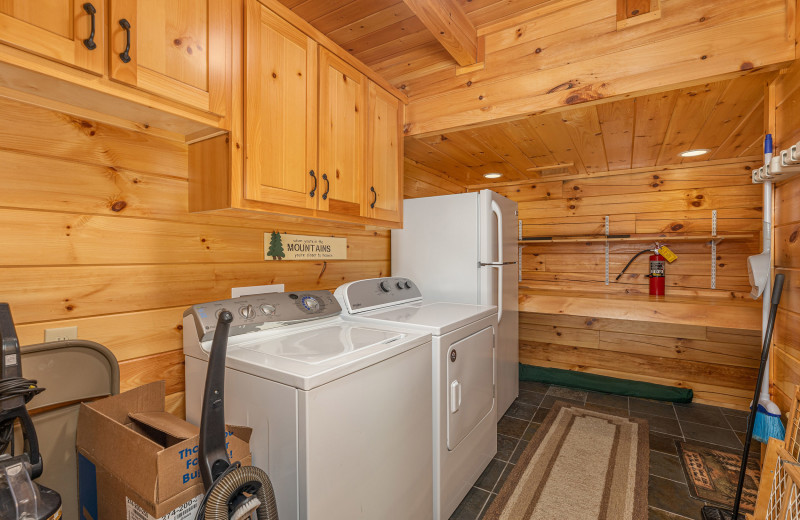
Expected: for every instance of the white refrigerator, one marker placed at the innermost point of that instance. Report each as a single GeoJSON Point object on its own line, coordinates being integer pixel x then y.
{"type": "Point", "coordinates": [463, 248]}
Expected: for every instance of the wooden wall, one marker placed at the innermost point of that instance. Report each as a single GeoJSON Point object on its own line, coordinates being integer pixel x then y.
{"type": "Point", "coordinates": [96, 233]}
{"type": "Point", "coordinates": [785, 359]}
{"type": "Point", "coordinates": [719, 364]}
{"type": "Point", "coordinates": [658, 200]}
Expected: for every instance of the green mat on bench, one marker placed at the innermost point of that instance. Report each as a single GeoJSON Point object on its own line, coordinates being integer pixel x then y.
{"type": "Point", "coordinates": [608, 385]}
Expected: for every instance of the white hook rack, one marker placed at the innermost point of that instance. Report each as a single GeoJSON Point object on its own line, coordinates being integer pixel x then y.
{"type": "Point", "coordinates": [783, 164]}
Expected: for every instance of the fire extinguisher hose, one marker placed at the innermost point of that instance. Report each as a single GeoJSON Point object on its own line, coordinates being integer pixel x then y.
{"type": "Point", "coordinates": [631, 261]}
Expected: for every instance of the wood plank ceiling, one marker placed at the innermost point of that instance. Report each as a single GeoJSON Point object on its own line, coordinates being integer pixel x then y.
{"type": "Point", "coordinates": [725, 117]}
{"type": "Point", "coordinates": [387, 36]}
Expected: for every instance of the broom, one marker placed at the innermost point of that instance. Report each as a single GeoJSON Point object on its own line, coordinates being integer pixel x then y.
{"type": "Point", "coordinates": [717, 513]}
{"type": "Point", "coordinates": [768, 415]}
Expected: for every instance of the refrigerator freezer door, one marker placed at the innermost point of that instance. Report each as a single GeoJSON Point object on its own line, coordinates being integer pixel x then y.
{"type": "Point", "coordinates": [499, 286]}
{"type": "Point", "coordinates": [438, 247]}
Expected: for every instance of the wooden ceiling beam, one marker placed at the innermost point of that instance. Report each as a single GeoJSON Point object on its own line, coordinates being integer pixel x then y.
{"type": "Point", "coordinates": [450, 26]}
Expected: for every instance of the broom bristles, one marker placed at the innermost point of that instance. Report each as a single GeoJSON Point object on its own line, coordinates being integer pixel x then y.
{"type": "Point", "coordinates": [767, 425]}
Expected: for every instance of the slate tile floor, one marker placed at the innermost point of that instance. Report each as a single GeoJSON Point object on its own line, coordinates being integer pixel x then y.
{"type": "Point", "coordinates": [668, 494]}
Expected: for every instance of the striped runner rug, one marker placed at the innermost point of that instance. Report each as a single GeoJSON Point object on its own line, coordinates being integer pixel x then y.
{"type": "Point", "coordinates": [580, 465]}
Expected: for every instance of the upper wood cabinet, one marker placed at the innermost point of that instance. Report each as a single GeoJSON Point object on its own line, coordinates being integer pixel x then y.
{"type": "Point", "coordinates": [384, 155]}
{"type": "Point", "coordinates": [316, 136]}
{"type": "Point", "coordinates": [174, 49]}
{"type": "Point", "coordinates": [158, 64]}
{"type": "Point", "coordinates": [59, 30]}
{"type": "Point", "coordinates": [280, 112]}
{"type": "Point", "coordinates": [342, 130]}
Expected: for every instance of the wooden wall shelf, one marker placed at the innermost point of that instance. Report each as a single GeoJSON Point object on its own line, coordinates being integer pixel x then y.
{"type": "Point", "coordinates": [709, 312]}
{"type": "Point", "coordinates": [638, 238]}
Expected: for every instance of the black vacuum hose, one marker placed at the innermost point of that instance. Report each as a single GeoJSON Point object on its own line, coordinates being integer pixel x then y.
{"type": "Point", "coordinates": [230, 484]}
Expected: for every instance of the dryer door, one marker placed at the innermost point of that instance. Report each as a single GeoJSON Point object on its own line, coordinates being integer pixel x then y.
{"type": "Point", "coordinates": [470, 384]}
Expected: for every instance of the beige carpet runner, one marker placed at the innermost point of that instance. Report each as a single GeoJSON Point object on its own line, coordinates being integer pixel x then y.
{"type": "Point", "coordinates": [580, 465]}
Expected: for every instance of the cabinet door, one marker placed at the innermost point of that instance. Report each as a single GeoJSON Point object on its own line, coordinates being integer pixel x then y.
{"type": "Point", "coordinates": [342, 122]}
{"type": "Point", "coordinates": [56, 29]}
{"type": "Point", "coordinates": [280, 111]}
{"type": "Point", "coordinates": [384, 156]}
{"type": "Point", "coordinates": [175, 49]}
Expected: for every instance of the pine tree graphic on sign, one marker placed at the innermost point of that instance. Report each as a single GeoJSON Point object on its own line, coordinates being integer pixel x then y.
{"type": "Point", "coordinates": [276, 247]}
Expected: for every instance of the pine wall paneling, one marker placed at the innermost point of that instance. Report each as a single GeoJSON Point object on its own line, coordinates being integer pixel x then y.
{"type": "Point", "coordinates": [785, 361]}
{"type": "Point", "coordinates": [718, 364]}
{"type": "Point", "coordinates": [668, 201]}
{"type": "Point", "coordinates": [97, 234]}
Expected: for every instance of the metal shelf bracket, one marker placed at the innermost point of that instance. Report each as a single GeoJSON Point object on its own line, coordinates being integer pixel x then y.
{"type": "Point", "coordinates": [607, 250]}
{"type": "Point", "coordinates": [714, 249]}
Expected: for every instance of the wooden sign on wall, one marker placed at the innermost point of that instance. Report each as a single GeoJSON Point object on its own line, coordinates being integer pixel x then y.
{"type": "Point", "coordinates": [279, 246]}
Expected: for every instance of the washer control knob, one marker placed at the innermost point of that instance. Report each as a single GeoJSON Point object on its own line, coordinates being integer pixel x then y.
{"type": "Point", "coordinates": [267, 309]}
{"type": "Point", "coordinates": [247, 312]}
{"type": "Point", "coordinates": [310, 303]}
{"type": "Point", "coordinates": [400, 285]}
{"type": "Point", "coordinates": [385, 286]}
{"type": "Point", "coordinates": [408, 284]}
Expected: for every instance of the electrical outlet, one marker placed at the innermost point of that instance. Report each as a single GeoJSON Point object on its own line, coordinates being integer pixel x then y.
{"type": "Point", "coordinates": [60, 334]}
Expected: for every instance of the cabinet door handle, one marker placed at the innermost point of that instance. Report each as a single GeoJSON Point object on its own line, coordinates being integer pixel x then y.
{"type": "Point", "coordinates": [327, 186]}
{"type": "Point", "coordinates": [375, 194]}
{"type": "Point", "coordinates": [91, 11]}
{"type": "Point", "coordinates": [125, 55]}
{"type": "Point", "coordinates": [314, 189]}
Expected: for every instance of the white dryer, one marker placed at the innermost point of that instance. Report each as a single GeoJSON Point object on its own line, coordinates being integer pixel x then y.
{"type": "Point", "coordinates": [463, 357]}
{"type": "Point", "coordinates": [339, 410]}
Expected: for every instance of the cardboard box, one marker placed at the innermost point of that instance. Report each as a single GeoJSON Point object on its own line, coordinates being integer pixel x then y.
{"type": "Point", "coordinates": [137, 461]}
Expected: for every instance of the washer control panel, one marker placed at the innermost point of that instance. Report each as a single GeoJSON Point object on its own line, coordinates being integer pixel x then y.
{"type": "Point", "coordinates": [263, 311]}
{"type": "Point", "coordinates": [373, 293]}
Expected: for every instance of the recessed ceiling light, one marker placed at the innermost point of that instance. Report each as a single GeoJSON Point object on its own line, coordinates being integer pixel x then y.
{"type": "Point", "coordinates": [492, 175]}
{"type": "Point", "coordinates": [693, 153]}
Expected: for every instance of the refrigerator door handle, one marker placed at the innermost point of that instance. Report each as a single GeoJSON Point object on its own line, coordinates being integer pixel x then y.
{"type": "Point", "coordinates": [496, 210]}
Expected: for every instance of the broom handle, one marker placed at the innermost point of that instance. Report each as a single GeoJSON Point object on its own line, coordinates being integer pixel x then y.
{"type": "Point", "coordinates": [751, 419]}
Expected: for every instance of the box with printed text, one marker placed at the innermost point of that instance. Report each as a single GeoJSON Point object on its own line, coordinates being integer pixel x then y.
{"type": "Point", "coordinates": [138, 461]}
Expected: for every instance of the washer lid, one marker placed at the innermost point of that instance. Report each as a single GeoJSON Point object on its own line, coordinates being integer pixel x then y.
{"type": "Point", "coordinates": [309, 356]}
{"type": "Point", "coordinates": [438, 318]}
{"type": "Point", "coordinates": [323, 344]}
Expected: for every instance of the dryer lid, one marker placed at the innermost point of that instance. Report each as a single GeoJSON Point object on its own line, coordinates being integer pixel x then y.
{"type": "Point", "coordinates": [438, 318]}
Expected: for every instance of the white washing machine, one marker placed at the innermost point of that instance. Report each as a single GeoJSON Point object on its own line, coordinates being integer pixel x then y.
{"type": "Point", "coordinates": [339, 410]}
{"type": "Point", "coordinates": [463, 357]}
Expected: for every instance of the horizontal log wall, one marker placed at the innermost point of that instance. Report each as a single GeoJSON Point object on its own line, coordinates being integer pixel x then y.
{"type": "Point", "coordinates": [719, 365]}
{"type": "Point", "coordinates": [96, 233]}
{"type": "Point", "coordinates": [668, 201]}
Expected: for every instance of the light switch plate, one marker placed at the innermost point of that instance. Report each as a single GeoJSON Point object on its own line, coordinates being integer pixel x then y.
{"type": "Point", "coordinates": [60, 334]}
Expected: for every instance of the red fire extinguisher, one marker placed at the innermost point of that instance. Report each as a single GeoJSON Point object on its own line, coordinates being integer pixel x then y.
{"type": "Point", "coordinates": [658, 262]}
{"type": "Point", "coordinates": [658, 279]}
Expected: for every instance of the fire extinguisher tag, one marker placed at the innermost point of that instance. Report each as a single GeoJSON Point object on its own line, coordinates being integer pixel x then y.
{"type": "Point", "coordinates": [656, 268]}
{"type": "Point", "coordinates": [667, 254]}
